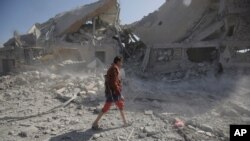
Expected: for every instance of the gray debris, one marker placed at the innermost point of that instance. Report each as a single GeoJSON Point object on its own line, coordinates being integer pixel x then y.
{"type": "Point", "coordinates": [23, 134]}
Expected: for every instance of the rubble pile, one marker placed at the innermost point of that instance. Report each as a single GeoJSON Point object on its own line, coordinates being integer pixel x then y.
{"type": "Point", "coordinates": [176, 45]}
{"type": "Point", "coordinates": [102, 35]}
{"type": "Point", "coordinates": [36, 94]}
{"type": "Point", "coordinates": [85, 36]}
{"type": "Point", "coordinates": [46, 106]}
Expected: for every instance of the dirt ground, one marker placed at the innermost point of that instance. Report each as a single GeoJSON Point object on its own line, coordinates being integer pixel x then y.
{"type": "Point", "coordinates": [32, 107]}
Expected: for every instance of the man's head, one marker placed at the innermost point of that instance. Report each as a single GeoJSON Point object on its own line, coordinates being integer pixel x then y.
{"type": "Point", "coordinates": [118, 61]}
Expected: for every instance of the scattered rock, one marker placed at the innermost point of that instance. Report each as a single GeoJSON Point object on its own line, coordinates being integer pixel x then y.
{"type": "Point", "coordinates": [220, 133]}
{"type": "Point", "coordinates": [122, 138]}
{"type": "Point", "coordinates": [149, 130]}
{"type": "Point", "coordinates": [11, 133]}
{"type": "Point", "coordinates": [83, 92]}
{"type": "Point", "coordinates": [191, 127]}
{"type": "Point", "coordinates": [55, 117]}
{"type": "Point", "coordinates": [201, 132]}
{"type": "Point", "coordinates": [96, 136]}
{"type": "Point", "coordinates": [209, 134]}
{"type": "Point", "coordinates": [73, 122]}
{"type": "Point", "coordinates": [48, 119]}
{"type": "Point", "coordinates": [90, 86]}
{"type": "Point", "coordinates": [52, 76]}
{"type": "Point", "coordinates": [79, 113]}
{"type": "Point", "coordinates": [2, 87]}
{"type": "Point", "coordinates": [142, 135]}
{"type": "Point", "coordinates": [97, 110]}
{"type": "Point", "coordinates": [24, 124]}
{"type": "Point", "coordinates": [80, 107]}
{"type": "Point", "coordinates": [91, 92]}
{"type": "Point", "coordinates": [22, 134]}
{"type": "Point", "coordinates": [61, 90]}
{"type": "Point", "coordinates": [192, 123]}
{"type": "Point", "coordinates": [206, 128]}
{"type": "Point", "coordinates": [149, 112]}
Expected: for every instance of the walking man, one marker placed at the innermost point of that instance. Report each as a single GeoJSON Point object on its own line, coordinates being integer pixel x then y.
{"type": "Point", "coordinates": [113, 88]}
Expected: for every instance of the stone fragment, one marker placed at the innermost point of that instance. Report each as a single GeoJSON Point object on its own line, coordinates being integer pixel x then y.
{"type": "Point", "coordinates": [22, 134]}
{"type": "Point", "coordinates": [149, 112]}
{"type": "Point", "coordinates": [96, 136]}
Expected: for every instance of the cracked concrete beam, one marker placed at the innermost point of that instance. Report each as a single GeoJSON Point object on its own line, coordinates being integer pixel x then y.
{"type": "Point", "coordinates": [208, 31]}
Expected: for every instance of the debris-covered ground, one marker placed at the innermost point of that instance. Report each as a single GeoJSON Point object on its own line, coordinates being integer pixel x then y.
{"type": "Point", "coordinates": [38, 105]}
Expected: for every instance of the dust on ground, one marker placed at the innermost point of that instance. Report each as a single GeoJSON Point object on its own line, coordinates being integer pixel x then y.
{"type": "Point", "coordinates": [33, 107]}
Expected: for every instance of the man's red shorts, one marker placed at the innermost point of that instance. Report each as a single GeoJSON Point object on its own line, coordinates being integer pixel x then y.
{"type": "Point", "coordinates": [119, 102]}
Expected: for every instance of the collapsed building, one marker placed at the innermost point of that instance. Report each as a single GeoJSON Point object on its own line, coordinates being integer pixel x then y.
{"type": "Point", "coordinates": [185, 34]}
{"type": "Point", "coordinates": [86, 33]}
{"type": "Point", "coordinates": [89, 28]}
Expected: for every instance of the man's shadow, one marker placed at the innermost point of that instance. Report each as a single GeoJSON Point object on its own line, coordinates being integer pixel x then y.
{"type": "Point", "coordinates": [78, 135]}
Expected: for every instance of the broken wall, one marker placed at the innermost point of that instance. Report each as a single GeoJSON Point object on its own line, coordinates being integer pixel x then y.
{"type": "Point", "coordinates": [236, 52]}
{"type": "Point", "coordinates": [71, 21]}
{"type": "Point", "coordinates": [89, 28]}
{"type": "Point", "coordinates": [200, 29]}
{"type": "Point", "coordinates": [171, 22]}
{"type": "Point", "coordinates": [88, 53]}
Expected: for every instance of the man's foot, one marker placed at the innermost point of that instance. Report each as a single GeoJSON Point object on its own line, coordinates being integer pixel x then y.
{"type": "Point", "coordinates": [96, 127]}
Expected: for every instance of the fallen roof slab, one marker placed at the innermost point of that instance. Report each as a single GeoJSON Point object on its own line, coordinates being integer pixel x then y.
{"type": "Point", "coordinates": [72, 20]}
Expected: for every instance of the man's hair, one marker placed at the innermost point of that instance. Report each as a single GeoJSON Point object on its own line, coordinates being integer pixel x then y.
{"type": "Point", "coordinates": [117, 59]}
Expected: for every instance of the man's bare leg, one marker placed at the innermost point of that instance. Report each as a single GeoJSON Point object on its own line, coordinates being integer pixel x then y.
{"type": "Point", "coordinates": [123, 117]}
{"type": "Point", "coordinates": [97, 119]}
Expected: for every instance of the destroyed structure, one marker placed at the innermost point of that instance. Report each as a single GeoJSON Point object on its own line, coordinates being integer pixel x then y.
{"type": "Point", "coordinates": [183, 36]}
{"type": "Point", "coordinates": [87, 33]}
{"type": "Point", "coordinates": [186, 34]}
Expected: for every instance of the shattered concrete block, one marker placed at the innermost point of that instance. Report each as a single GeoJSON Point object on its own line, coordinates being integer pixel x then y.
{"type": "Point", "coordinates": [149, 130]}
{"type": "Point", "coordinates": [209, 134]}
{"type": "Point", "coordinates": [97, 110]}
{"type": "Point", "coordinates": [83, 92]}
{"type": "Point", "coordinates": [91, 92]}
{"type": "Point", "coordinates": [71, 84]}
{"type": "Point", "coordinates": [149, 112]}
{"type": "Point", "coordinates": [206, 128]}
{"type": "Point", "coordinates": [191, 127]}
{"type": "Point", "coordinates": [142, 135]}
{"type": "Point", "coordinates": [23, 134]}
{"type": "Point", "coordinates": [61, 90]}
{"type": "Point", "coordinates": [11, 133]}
{"type": "Point", "coordinates": [96, 136]}
{"type": "Point", "coordinates": [90, 86]}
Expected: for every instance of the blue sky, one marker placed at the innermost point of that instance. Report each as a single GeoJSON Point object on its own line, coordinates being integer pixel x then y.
{"type": "Point", "coordinates": [20, 15]}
